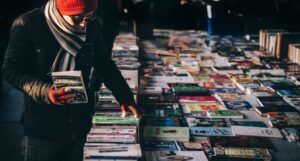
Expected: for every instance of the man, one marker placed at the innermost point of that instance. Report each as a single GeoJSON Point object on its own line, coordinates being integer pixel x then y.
{"type": "Point", "coordinates": [63, 35]}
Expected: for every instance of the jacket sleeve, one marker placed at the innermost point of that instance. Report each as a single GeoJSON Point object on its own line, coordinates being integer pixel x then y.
{"type": "Point", "coordinates": [106, 68]}
{"type": "Point", "coordinates": [17, 64]}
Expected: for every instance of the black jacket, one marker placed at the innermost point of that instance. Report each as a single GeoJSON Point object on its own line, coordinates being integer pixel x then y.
{"type": "Point", "coordinates": [27, 62]}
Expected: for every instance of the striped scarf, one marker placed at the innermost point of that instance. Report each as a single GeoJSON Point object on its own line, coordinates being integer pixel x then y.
{"type": "Point", "coordinates": [70, 38]}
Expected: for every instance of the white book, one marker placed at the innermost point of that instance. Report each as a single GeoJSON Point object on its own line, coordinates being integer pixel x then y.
{"type": "Point", "coordinates": [175, 155]}
{"type": "Point", "coordinates": [256, 131]}
{"type": "Point", "coordinates": [73, 81]}
{"type": "Point", "coordinates": [121, 151]}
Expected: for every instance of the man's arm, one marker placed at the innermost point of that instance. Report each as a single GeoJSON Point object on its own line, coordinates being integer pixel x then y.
{"type": "Point", "coordinates": [17, 63]}
{"type": "Point", "coordinates": [106, 68]}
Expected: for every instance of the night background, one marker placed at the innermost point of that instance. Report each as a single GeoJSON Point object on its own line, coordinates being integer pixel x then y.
{"type": "Point", "coordinates": [237, 17]}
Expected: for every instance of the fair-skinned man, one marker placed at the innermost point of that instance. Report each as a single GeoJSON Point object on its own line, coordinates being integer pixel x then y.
{"type": "Point", "coordinates": [63, 35]}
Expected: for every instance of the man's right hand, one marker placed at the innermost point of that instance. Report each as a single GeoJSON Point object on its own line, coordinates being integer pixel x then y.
{"type": "Point", "coordinates": [60, 97]}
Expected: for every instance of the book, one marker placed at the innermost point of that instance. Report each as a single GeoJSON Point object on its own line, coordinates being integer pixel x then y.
{"type": "Point", "coordinates": [197, 99]}
{"type": "Point", "coordinates": [205, 122]}
{"type": "Point", "coordinates": [204, 106]}
{"type": "Point", "coordinates": [241, 142]}
{"type": "Point", "coordinates": [237, 105]}
{"type": "Point", "coordinates": [112, 151]}
{"type": "Point", "coordinates": [175, 155]}
{"type": "Point", "coordinates": [248, 123]}
{"type": "Point", "coordinates": [166, 133]}
{"type": "Point", "coordinates": [73, 81]}
{"type": "Point", "coordinates": [114, 118]}
{"type": "Point", "coordinates": [157, 145]}
{"type": "Point", "coordinates": [189, 146]}
{"type": "Point", "coordinates": [256, 131]}
{"type": "Point", "coordinates": [225, 114]}
{"type": "Point", "coordinates": [211, 131]}
{"type": "Point", "coordinates": [247, 153]}
{"type": "Point", "coordinates": [161, 121]}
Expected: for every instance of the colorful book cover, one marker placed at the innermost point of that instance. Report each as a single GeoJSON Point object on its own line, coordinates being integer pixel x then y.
{"type": "Point", "coordinates": [196, 107]}
{"type": "Point", "coordinates": [225, 114]}
{"type": "Point", "coordinates": [205, 122]}
{"type": "Point", "coordinates": [189, 146]}
{"type": "Point", "coordinates": [197, 99]}
{"type": "Point", "coordinates": [237, 105]}
{"type": "Point", "coordinates": [211, 131]}
{"type": "Point", "coordinates": [114, 119]}
{"type": "Point", "coordinates": [248, 153]}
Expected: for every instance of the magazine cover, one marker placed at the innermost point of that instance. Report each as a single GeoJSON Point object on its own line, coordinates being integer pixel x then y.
{"type": "Point", "coordinates": [176, 155]}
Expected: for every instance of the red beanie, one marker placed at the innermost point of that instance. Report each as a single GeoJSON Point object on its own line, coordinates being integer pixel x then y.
{"type": "Point", "coordinates": [74, 7]}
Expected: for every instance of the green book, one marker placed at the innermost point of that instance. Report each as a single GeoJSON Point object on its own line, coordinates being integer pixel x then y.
{"type": "Point", "coordinates": [188, 88]}
{"type": "Point", "coordinates": [225, 114]}
{"type": "Point", "coordinates": [115, 119]}
{"type": "Point", "coordinates": [166, 133]}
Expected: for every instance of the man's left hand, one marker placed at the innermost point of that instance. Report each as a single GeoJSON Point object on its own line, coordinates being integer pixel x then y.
{"type": "Point", "coordinates": [131, 108]}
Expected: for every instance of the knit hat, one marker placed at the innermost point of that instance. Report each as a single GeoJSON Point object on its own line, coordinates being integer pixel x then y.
{"type": "Point", "coordinates": [74, 7]}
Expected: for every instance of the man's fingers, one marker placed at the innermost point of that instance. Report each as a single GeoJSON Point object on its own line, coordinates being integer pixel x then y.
{"type": "Point", "coordinates": [123, 109]}
{"type": "Point", "coordinates": [134, 111]}
{"type": "Point", "coordinates": [63, 91]}
{"type": "Point", "coordinates": [66, 96]}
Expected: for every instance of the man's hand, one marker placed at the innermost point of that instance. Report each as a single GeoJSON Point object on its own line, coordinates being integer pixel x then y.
{"type": "Point", "coordinates": [60, 97]}
{"type": "Point", "coordinates": [124, 108]}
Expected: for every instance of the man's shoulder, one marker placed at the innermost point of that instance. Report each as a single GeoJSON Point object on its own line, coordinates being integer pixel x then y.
{"type": "Point", "coordinates": [30, 18]}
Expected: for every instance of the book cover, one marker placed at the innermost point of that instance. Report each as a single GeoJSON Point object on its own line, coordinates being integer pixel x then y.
{"type": "Point", "coordinates": [112, 151]}
{"type": "Point", "coordinates": [189, 146]}
{"type": "Point", "coordinates": [211, 131]}
{"type": "Point", "coordinates": [166, 133]}
{"type": "Point", "coordinates": [114, 118]}
{"type": "Point", "coordinates": [256, 131]}
{"type": "Point", "coordinates": [225, 114]}
{"type": "Point", "coordinates": [175, 155]}
{"type": "Point", "coordinates": [248, 153]}
{"type": "Point", "coordinates": [237, 105]}
{"type": "Point", "coordinates": [73, 81]}
{"type": "Point", "coordinates": [205, 122]}
{"type": "Point", "coordinates": [161, 121]}
{"type": "Point", "coordinates": [156, 145]}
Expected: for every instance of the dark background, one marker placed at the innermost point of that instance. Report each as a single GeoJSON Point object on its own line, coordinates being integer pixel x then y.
{"type": "Point", "coordinates": [235, 17]}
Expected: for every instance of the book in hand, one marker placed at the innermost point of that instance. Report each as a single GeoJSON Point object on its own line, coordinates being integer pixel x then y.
{"type": "Point", "coordinates": [175, 155]}
{"type": "Point", "coordinates": [73, 81]}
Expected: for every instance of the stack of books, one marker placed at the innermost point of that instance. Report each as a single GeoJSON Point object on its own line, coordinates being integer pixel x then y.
{"type": "Point", "coordinates": [277, 41]}
{"type": "Point", "coordinates": [113, 137]}
{"type": "Point", "coordinates": [294, 53]}
{"type": "Point", "coordinates": [125, 54]}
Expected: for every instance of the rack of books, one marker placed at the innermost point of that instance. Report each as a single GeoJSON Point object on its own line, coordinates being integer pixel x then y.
{"type": "Point", "coordinates": [214, 98]}
{"type": "Point", "coordinates": [202, 98]}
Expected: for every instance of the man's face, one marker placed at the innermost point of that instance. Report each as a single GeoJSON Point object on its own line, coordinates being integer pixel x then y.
{"type": "Point", "coordinates": [79, 21]}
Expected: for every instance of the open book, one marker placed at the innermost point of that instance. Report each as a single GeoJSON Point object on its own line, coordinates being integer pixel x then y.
{"type": "Point", "coordinates": [73, 81]}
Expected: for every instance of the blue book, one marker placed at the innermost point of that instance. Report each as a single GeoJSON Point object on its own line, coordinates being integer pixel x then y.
{"type": "Point", "coordinates": [237, 105]}
{"type": "Point", "coordinates": [156, 145]}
